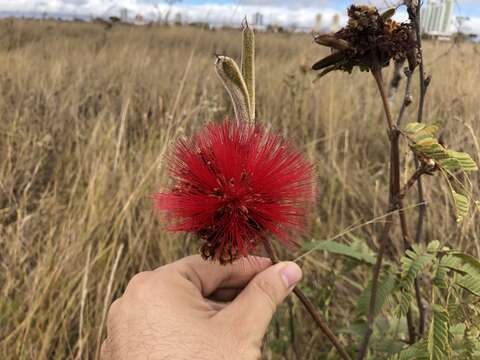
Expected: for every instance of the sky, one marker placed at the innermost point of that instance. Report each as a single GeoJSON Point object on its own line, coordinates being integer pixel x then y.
{"type": "Point", "coordinates": [280, 12]}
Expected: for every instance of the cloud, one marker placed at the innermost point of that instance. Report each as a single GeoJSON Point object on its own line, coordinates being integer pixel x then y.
{"type": "Point", "coordinates": [287, 4]}
{"type": "Point", "coordinates": [279, 15]}
{"type": "Point", "coordinates": [75, 2]}
{"type": "Point", "coordinates": [473, 25]}
{"type": "Point", "coordinates": [280, 12]}
{"type": "Point", "coordinates": [274, 11]}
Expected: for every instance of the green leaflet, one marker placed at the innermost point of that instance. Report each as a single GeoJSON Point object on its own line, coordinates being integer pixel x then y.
{"type": "Point", "coordinates": [417, 351]}
{"type": "Point", "coordinates": [470, 264]}
{"type": "Point", "coordinates": [452, 333]}
{"type": "Point", "coordinates": [387, 286]}
{"type": "Point", "coordinates": [348, 250]}
{"type": "Point", "coordinates": [433, 246]}
{"type": "Point", "coordinates": [425, 145]}
{"type": "Point", "coordinates": [469, 283]}
{"type": "Point", "coordinates": [452, 262]}
{"type": "Point", "coordinates": [438, 343]}
{"type": "Point", "coordinates": [440, 277]}
{"type": "Point", "coordinates": [413, 263]}
{"type": "Point", "coordinates": [470, 347]}
{"type": "Point", "coordinates": [464, 160]}
{"type": "Point", "coordinates": [469, 269]}
{"type": "Point", "coordinates": [416, 127]}
{"type": "Point", "coordinates": [461, 205]}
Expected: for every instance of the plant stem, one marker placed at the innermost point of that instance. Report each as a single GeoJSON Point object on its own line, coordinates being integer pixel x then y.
{"type": "Point", "coordinates": [414, 15]}
{"type": "Point", "coordinates": [407, 245]}
{"type": "Point", "coordinates": [377, 74]}
{"type": "Point", "coordinates": [396, 203]}
{"type": "Point", "coordinates": [406, 98]}
{"type": "Point", "coordinates": [413, 179]}
{"type": "Point", "coordinates": [396, 79]}
{"type": "Point", "coordinates": [309, 307]}
{"type": "Point", "coordinates": [423, 91]}
{"type": "Point", "coordinates": [375, 278]}
{"type": "Point", "coordinates": [396, 195]}
{"type": "Point", "coordinates": [421, 308]}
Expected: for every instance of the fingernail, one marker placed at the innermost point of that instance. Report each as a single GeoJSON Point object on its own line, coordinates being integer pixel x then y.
{"type": "Point", "coordinates": [291, 274]}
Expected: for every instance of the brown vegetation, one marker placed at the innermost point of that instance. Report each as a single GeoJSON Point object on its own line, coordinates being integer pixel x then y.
{"type": "Point", "coordinates": [86, 117]}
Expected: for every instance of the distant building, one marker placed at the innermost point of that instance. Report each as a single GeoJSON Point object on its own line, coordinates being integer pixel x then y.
{"type": "Point", "coordinates": [139, 20]}
{"type": "Point", "coordinates": [257, 19]}
{"type": "Point", "coordinates": [178, 19]}
{"type": "Point", "coordinates": [124, 15]}
{"type": "Point", "coordinates": [318, 23]}
{"type": "Point", "coordinates": [335, 23]}
{"type": "Point", "coordinates": [436, 18]}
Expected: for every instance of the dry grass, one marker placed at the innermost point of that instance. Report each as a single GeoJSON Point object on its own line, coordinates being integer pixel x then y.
{"type": "Point", "coordinates": [86, 116]}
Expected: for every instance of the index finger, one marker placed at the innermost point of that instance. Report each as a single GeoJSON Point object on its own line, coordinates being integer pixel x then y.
{"type": "Point", "coordinates": [208, 276]}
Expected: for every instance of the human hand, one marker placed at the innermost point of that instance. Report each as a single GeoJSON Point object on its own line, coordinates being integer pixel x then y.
{"type": "Point", "coordinates": [193, 309]}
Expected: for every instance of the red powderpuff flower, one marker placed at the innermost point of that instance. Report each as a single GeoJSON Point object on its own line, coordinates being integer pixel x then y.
{"type": "Point", "coordinates": [234, 185]}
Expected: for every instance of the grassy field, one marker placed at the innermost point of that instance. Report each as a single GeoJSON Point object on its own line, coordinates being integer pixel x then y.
{"type": "Point", "coordinates": [86, 117]}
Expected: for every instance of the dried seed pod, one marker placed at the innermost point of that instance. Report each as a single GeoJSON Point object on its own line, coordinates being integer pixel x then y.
{"type": "Point", "coordinates": [369, 40]}
{"type": "Point", "coordinates": [331, 41]}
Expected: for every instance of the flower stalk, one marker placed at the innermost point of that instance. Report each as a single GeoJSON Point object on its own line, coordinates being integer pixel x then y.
{"type": "Point", "coordinates": [241, 87]}
{"type": "Point", "coordinates": [309, 307]}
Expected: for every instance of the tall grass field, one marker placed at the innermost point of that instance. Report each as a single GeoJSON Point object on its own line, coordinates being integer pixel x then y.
{"type": "Point", "coordinates": [87, 115]}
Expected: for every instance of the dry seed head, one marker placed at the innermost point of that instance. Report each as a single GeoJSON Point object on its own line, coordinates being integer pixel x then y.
{"type": "Point", "coordinates": [369, 40]}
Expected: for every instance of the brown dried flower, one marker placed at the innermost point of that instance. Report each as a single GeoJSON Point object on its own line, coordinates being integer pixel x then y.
{"type": "Point", "coordinates": [369, 40]}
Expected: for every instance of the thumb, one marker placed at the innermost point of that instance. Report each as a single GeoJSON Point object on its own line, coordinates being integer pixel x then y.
{"type": "Point", "coordinates": [255, 305]}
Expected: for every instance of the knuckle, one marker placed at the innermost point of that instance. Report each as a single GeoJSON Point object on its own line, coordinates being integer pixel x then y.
{"type": "Point", "coordinates": [114, 312]}
{"type": "Point", "coordinates": [105, 351]}
{"type": "Point", "coordinates": [139, 284]}
{"type": "Point", "coordinates": [140, 278]}
{"type": "Point", "coordinates": [115, 306]}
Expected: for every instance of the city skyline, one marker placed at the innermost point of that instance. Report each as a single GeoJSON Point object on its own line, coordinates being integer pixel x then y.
{"type": "Point", "coordinates": [300, 13]}
{"type": "Point", "coordinates": [437, 17]}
